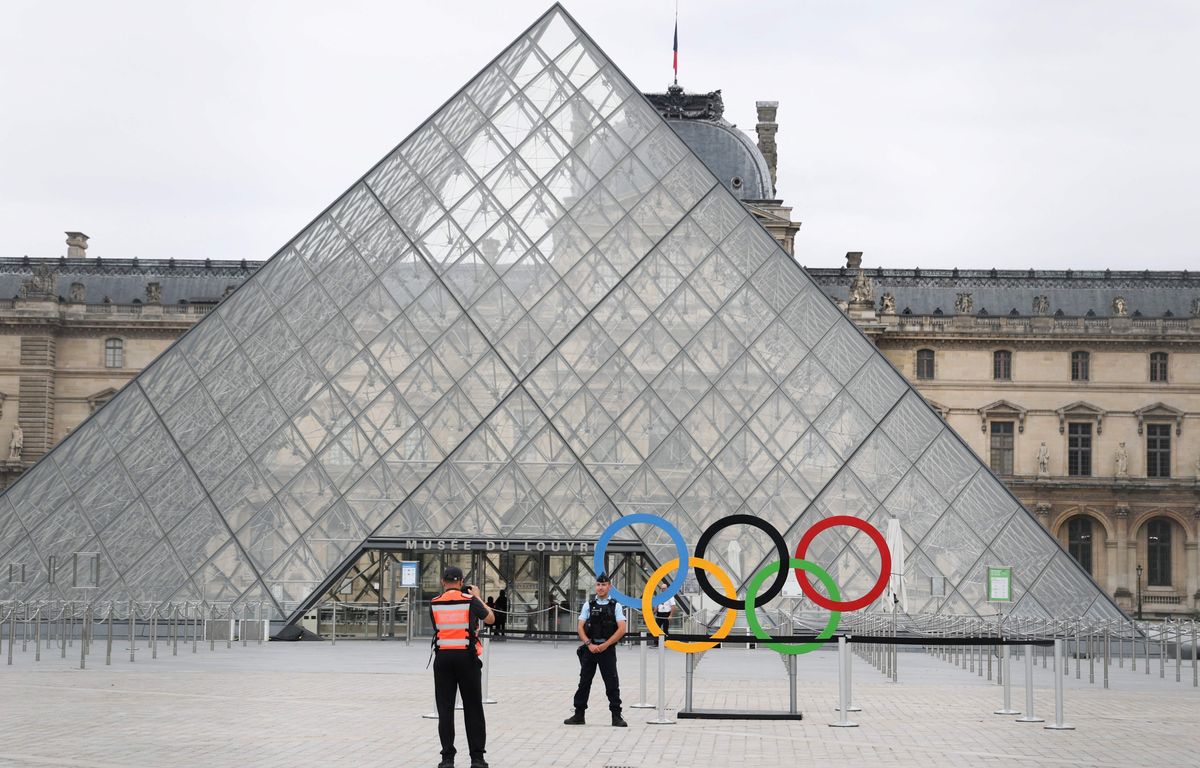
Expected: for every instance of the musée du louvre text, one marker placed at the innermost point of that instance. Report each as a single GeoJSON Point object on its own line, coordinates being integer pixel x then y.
{"type": "Point", "coordinates": [489, 545]}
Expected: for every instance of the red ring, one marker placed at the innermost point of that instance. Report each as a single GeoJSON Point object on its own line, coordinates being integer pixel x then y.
{"type": "Point", "coordinates": [885, 570]}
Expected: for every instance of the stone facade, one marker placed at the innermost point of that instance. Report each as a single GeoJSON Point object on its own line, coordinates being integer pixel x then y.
{"type": "Point", "coordinates": [64, 353]}
{"type": "Point", "coordinates": [1058, 368]}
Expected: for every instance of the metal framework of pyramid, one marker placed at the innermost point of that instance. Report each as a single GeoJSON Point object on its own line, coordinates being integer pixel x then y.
{"type": "Point", "coordinates": [541, 311]}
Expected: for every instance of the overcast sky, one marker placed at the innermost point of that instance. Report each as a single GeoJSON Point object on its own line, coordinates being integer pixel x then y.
{"type": "Point", "coordinates": [1023, 133]}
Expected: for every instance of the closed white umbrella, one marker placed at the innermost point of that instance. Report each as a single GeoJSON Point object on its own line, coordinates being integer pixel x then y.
{"type": "Point", "coordinates": [896, 594]}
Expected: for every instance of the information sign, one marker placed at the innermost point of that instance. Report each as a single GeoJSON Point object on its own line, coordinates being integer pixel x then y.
{"type": "Point", "coordinates": [410, 576]}
{"type": "Point", "coordinates": [999, 584]}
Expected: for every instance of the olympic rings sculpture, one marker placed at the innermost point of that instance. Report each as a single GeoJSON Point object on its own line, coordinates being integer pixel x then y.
{"type": "Point", "coordinates": [802, 567]}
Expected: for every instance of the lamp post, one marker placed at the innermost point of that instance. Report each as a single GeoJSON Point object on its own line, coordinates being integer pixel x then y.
{"type": "Point", "coordinates": [1139, 595]}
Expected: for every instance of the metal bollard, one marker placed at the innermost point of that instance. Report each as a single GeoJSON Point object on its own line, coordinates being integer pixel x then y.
{"type": "Point", "coordinates": [11, 611]}
{"type": "Point", "coordinates": [37, 634]}
{"type": "Point", "coordinates": [642, 656]}
{"type": "Point", "coordinates": [195, 627]}
{"type": "Point", "coordinates": [843, 687]}
{"type": "Point", "coordinates": [1162, 650]}
{"type": "Point", "coordinates": [1178, 651]}
{"type": "Point", "coordinates": [1029, 716]}
{"type": "Point", "coordinates": [208, 628]}
{"type": "Point", "coordinates": [132, 639]}
{"type": "Point", "coordinates": [660, 717]}
{"type": "Point", "coordinates": [487, 657]}
{"type": "Point", "coordinates": [849, 678]}
{"type": "Point", "coordinates": [1007, 679]}
{"type": "Point", "coordinates": [1195, 671]}
{"type": "Point", "coordinates": [174, 630]}
{"type": "Point", "coordinates": [242, 626]}
{"type": "Point", "coordinates": [554, 635]}
{"type": "Point", "coordinates": [154, 632]}
{"type": "Point", "coordinates": [1058, 724]}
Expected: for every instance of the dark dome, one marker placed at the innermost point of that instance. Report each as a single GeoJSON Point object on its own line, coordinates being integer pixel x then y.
{"type": "Point", "coordinates": [732, 156]}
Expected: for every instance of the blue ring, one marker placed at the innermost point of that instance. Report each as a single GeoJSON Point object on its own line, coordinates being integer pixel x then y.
{"type": "Point", "coordinates": [680, 546]}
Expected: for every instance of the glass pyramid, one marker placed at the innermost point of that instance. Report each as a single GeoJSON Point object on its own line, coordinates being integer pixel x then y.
{"type": "Point", "coordinates": [541, 311]}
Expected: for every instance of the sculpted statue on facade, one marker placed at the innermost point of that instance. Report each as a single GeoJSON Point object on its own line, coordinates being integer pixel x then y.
{"type": "Point", "coordinates": [862, 290]}
{"type": "Point", "coordinates": [963, 304]}
{"type": "Point", "coordinates": [1120, 308]}
{"type": "Point", "coordinates": [1196, 307]}
{"type": "Point", "coordinates": [41, 284]}
{"type": "Point", "coordinates": [78, 293]}
{"type": "Point", "coordinates": [1041, 305]}
{"type": "Point", "coordinates": [1043, 460]}
{"type": "Point", "coordinates": [154, 293]}
{"type": "Point", "coordinates": [1121, 461]}
{"type": "Point", "coordinates": [16, 443]}
{"type": "Point", "coordinates": [887, 304]}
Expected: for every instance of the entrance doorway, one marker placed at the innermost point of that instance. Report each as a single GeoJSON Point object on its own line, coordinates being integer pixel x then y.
{"type": "Point", "coordinates": [544, 590]}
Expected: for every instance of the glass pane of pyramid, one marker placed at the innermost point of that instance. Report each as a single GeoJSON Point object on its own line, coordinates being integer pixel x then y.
{"type": "Point", "coordinates": [539, 312]}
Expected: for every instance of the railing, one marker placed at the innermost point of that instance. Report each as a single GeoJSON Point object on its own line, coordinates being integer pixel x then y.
{"type": "Point", "coordinates": [1035, 325]}
{"type": "Point", "coordinates": [1162, 599]}
{"type": "Point", "coordinates": [141, 309]}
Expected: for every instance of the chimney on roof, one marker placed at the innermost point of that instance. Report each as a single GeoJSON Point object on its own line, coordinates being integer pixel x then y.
{"type": "Point", "coordinates": [766, 130]}
{"type": "Point", "coordinates": [76, 245]}
{"type": "Point", "coordinates": [854, 259]}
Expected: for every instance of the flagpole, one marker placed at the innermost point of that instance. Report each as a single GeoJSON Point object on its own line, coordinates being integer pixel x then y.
{"type": "Point", "coordinates": [675, 57]}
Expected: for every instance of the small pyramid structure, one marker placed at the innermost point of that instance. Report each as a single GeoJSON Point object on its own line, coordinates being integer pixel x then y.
{"type": "Point", "coordinates": [538, 313]}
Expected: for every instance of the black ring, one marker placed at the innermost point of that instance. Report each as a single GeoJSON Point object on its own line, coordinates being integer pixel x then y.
{"type": "Point", "coordinates": [757, 522]}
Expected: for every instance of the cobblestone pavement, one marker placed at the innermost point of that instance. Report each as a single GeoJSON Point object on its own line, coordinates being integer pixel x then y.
{"type": "Point", "coordinates": [360, 704]}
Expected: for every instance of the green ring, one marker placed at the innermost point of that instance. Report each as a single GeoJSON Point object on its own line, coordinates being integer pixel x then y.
{"type": "Point", "coordinates": [835, 617]}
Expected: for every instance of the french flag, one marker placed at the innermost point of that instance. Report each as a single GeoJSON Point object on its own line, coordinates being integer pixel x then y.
{"type": "Point", "coordinates": [675, 49]}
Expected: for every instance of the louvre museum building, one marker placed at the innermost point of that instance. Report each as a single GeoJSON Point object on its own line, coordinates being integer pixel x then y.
{"type": "Point", "coordinates": [539, 313]}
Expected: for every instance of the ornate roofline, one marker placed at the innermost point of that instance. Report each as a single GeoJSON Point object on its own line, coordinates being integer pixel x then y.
{"type": "Point", "coordinates": [98, 266]}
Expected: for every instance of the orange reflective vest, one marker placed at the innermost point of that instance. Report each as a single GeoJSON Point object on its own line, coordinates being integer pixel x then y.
{"type": "Point", "coordinates": [452, 618]}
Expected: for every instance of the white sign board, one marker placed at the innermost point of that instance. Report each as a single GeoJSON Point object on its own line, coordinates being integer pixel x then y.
{"type": "Point", "coordinates": [410, 573]}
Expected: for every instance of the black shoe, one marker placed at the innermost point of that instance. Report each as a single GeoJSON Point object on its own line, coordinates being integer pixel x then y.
{"type": "Point", "coordinates": [575, 719]}
{"type": "Point", "coordinates": [619, 722]}
{"type": "Point", "coordinates": [478, 762]}
{"type": "Point", "coordinates": [447, 762]}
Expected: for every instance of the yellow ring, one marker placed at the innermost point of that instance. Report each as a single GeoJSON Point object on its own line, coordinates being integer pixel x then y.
{"type": "Point", "coordinates": [648, 605]}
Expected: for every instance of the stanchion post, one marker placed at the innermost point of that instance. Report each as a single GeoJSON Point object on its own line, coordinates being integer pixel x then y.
{"type": "Point", "coordinates": [108, 641]}
{"type": "Point", "coordinates": [487, 663]}
{"type": "Point", "coordinates": [1058, 724]}
{"type": "Point", "coordinates": [793, 708]}
{"type": "Point", "coordinates": [1029, 716]}
{"type": "Point", "coordinates": [132, 619]}
{"type": "Point", "coordinates": [660, 717]}
{"type": "Point", "coordinates": [642, 658]}
{"type": "Point", "coordinates": [1004, 674]}
{"type": "Point", "coordinates": [37, 634]}
{"type": "Point", "coordinates": [1107, 654]}
{"type": "Point", "coordinates": [1178, 651]}
{"type": "Point", "coordinates": [554, 635]}
{"type": "Point", "coordinates": [843, 720]}
{"type": "Point", "coordinates": [82, 638]}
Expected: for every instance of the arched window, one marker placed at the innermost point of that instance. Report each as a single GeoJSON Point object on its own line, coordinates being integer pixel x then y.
{"type": "Point", "coordinates": [1002, 365]}
{"type": "Point", "coordinates": [114, 353]}
{"type": "Point", "coordinates": [1080, 366]}
{"type": "Point", "coordinates": [1158, 553]}
{"type": "Point", "coordinates": [1079, 541]}
{"type": "Point", "coordinates": [924, 363]}
{"type": "Point", "coordinates": [1158, 366]}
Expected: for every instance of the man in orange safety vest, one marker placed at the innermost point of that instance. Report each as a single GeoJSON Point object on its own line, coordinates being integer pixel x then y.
{"type": "Point", "coordinates": [457, 664]}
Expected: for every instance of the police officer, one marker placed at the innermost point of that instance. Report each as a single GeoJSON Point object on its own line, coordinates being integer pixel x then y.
{"type": "Point", "coordinates": [457, 664]}
{"type": "Point", "coordinates": [601, 625]}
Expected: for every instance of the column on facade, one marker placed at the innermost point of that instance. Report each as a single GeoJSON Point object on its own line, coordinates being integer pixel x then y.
{"type": "Point", "coordinates": [1122, 565]}
{"type": "Point", "coordinates": [1193, 562]}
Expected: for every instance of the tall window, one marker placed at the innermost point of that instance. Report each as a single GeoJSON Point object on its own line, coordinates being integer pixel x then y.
{"type": "Point", "coordinates": [1002, 365]}
{"type": "Point", "coordinates": [1158, 553]}
{"type": "Point", "coordinates": [1079, 366]}
{"type": "Point", "coordinates": [114, 353]}
{"type": "Point", "coordinates": [1079, 541]}
{"type": "Point", "coordinates": [1158, 450]}
{"type": "Point", "coordinates": [1158, 366]}
{"type": "Point", "coordinates": [924, 363]}
{"type": "Point", "coordinates": [1002, 447]}
{"type": "Point", "coordinates": [1079, 449]}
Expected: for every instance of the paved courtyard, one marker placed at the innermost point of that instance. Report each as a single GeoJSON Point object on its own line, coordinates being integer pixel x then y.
{"type": "Point", "coordinates": [360, 704]}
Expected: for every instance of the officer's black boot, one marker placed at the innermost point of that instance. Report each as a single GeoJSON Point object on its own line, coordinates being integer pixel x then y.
{"type": "Point", "coordinates": [447, 762]}
{"type": "Point", "coordinates": [618, 721]}
{"type": "Point", "coordinates": [575, 719]}
{"type": "Point", "coordinates": [478, 762]}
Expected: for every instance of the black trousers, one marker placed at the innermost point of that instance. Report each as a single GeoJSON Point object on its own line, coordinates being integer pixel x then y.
{"type": "Point", "coordinates": [606, 660]}
{"type": "Point", "coordinates": [459, 671]}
